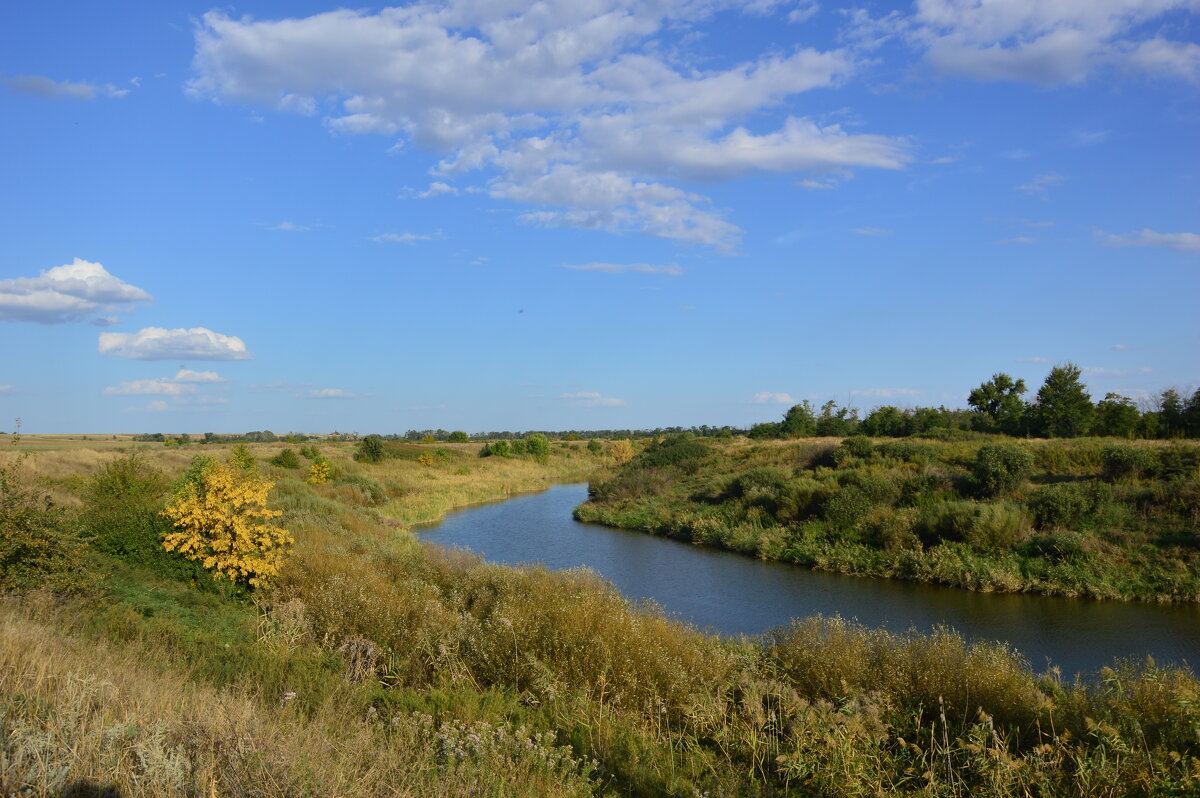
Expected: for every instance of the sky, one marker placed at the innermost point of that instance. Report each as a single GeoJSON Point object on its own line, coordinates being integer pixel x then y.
{"type": "Point", "coordinates": [587, 214]}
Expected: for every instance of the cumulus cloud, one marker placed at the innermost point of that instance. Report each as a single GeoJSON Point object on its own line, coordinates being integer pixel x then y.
{"type": "Point", "coordinates": [49, 88]}
{"type": "Point", "coordinates": [156, 343]}
{"type": "Point", "coordinates": [1178, 242]}
{"type": "Point", "coordinates": [769, 398]}
{"type": "Point", "coordinates": [162, 386]}
{"type": "Point", "coordinates": [196, 377]}
{"type": "Point", "coordinates": [671, 270]}
{"type": "Point", "coordinates": [574, 92]}
{"type": "Point", "coordinates": [591, 399]}
{"type": "Point", "coordinates": [1040, 42]}
{"type": "Point", "coordinates": [437, 189]}
{"type": "Point", "coordinates": [329, 393]}
{"type": "Point", "coordinates": [68, 293]}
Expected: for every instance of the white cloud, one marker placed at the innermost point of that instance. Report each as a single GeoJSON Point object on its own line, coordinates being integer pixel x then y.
{"type": "Point", "coordinates": [1047, 42]}
{"type": "Point", "coordinates": [1179, 242]}
{"type": "Point", "coordinates": [49, 88]}
{"type": "Point", "coordinates": [189, 376]}
{"type": "Point", "coordinates": [329, 393]}
{"type": "Point", "coordinates": [437, 189]}
{"type": "Point", "coordinates": [671, 270]}
{"type": "Point", "coordinates": [769, 398]}
{"type": "Point", "coordinates": [290, 227]}
{"type": "Point", "coordinates": [591, 399]}
{"type": "Point", "coordinates": [1121, 347]}
{"type": "Point", "coordinates": [156, 343]}
{"type": "Point", "coordinates": [1035, 360]}
{"type": "Point", "coordinates": [67, 293]}
{"type": "Point", "coordinates": [573, 92]}
{"type": "Point", "coordinates": [401, 238]}
{"type": "Point", "coordinates": [1017, 240]}
{"type": "Point", "coordinates": [162, 386]}
{"type": "Point", "coordinates": [155, 406]}
{"type": "Point", "coordinates": [6, 389]}
{"type": "Point", "coordinates": [871, 231]}
{"type": "Point", "coordinates": [1089, 138]}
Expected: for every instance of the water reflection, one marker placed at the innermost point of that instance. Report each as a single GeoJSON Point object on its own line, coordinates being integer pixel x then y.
{"type": "Point", "coordinates": [734, 594]}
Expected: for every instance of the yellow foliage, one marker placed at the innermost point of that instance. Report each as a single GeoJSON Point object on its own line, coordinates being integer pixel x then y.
{"type": "Point", "coordinates": [622, 451]}
{"type": "Point", "coordinates": [223, 521]}
{"type": "Point", "coordinates": [425, 460]}
{"type": "Point", "coordinates": [318, 472]}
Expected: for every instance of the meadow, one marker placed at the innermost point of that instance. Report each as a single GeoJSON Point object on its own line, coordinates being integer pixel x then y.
{"type": "Point", "coordinates": [374, 665]}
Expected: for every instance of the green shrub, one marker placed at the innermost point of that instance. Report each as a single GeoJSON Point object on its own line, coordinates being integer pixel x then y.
{"type": "Point", "coordinates": [1122, 461]}
{"type": "Point", "coordinates": [286, 459]}
{"type": "Point", "coordinates": [240, 457]}
{"type": "Point", "coordinates": [908, 451]}
{"type": "Point", "coordinates": [893, 530]}
{"type": "Point", "coordinates": [595, 447]}
{"type": "Point", "coordinates": [1000, 467]}
{"type": "Point", "coordinates": [681, 451]}
{"type": "Point", "coordinates": [1054, 546]}
{"type": "Point", "coordinates": [38, 548]}
{"type": "Point", "coordinates": [370, 450]}
{"type": "Point", "coordinates": [858, 446]}
{"type": "Point", "coordinates": [458, 436]}
{"type": "Point", "coordinates": [498, 449]}
{"type": "Point", "coordinates": [847, 508]}
{"type": "Point", "coordinates": [758, 481]}
{"type": "Point", "coordinates": [1066, 504]}
{"type": "Point", "coordinates": [997, 526]}
{"type": "Point", "coordinates": [310, 452]}
{"type": "Point", "coordinates": [122, 517]}
{"type": "Point", "coordinates": [538, 446]}
{"type": "Point", "coordinates": [948, 520]}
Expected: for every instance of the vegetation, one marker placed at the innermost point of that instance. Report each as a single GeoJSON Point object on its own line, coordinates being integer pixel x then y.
{"type": "Point", "coordinates": [374, 666]}
{"type": "Point", "coordinates": [1079, 518]}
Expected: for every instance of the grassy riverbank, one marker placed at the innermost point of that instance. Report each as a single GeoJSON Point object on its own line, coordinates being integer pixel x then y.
{"type": "Point", "coordinates": [1072, 518]}
{"type": "Point", "coordinates": [376, 666]}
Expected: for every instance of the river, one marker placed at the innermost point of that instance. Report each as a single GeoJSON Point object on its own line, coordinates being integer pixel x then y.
{"type": "Point", "coordinates": [734, 594]}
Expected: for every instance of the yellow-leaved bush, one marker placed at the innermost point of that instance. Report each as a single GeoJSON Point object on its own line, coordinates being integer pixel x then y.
{"type": "Point", "coordinates": [222, 520]}
{"type": "Point", "coordinates": [318, 472]}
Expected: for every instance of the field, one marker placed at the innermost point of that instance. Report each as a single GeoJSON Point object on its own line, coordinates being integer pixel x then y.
{"type": "Point", "coordinates": [376, 666]}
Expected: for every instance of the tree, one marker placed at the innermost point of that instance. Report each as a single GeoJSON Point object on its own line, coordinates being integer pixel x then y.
{"type": "Point", "coordinates": [836, 422]}
{"type": "Point", "coordinates": [1171, 414]}
{"type": "Point", "coordinates": [999, 405]}
{"type": "Point", "coordinates": [799, 421]}
{"type": "Point", "coordinates": [221, 519]}
{"type": "Point", "coordinates": [458, 436]}
{"type": "Point", "coordinates": [1064, 407]}
{"type": "Point", "coordinates": [885, 421]}
{"type": "Point", "coordinates": [538, 445]}
{"type": "Point", "coordinates": [595, 447]}
{"type": "Point", "coordinates": [622, 451]}
{"type": "Point", "coordinates": [370, 449]}
{"type": "Point", "coordinates": [1116, 417]}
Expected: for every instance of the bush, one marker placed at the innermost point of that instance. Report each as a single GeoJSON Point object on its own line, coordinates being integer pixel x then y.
{"type": "Point", "coordinates": [122, 517]}
{"type": "Point", "coordinates": [858, 446]}
{"type": "Point", "coordinates": [951, 520]}
{"type": "Point", "coordinates": [997, 526]}
{"type": "Point", "coordinates": [1054, 546]}
{"type": "Point", "coordinates": [1122, 461]}
{"type": "Point", "coordinates": [1000, 467]}
{"type": "Point", "coordinates": [240, 457]}
{"type": "Point", "coordinates": [286, 459]}
{"type": "Point", "coordinates": [224, 523]}
{"type": "Point", "coordinates": [595, 447]}
{"type": "Point", "coordinates": [538, 446]}
{"type": "Point", "coordinates": [758, 481]}
{"type": "Point", "coordinates": [458, 436]}
{"type": "Point", "coordinates": [310, 452]}
{"type": "Point", "coordinates": [1177, 460]}
{"type": "Point", "coordinates": [907, 451]}
{"type": "Point", "coordinates": [1066, 504]}
{"type": "Point", "coordinates": [319, 472]}
{"type": "Point", "coordinates": [682, 451]}
{"type": "Point", "coordinates": [370, 450]}
{"type": "Point", "coordinates": [892, 530]}
{"type": "Point", "coordinates": [847, 508]}
{"type": "Point", "coordinates": [370, 492]}
{"type": "Point", "coordinates": [37, 547]}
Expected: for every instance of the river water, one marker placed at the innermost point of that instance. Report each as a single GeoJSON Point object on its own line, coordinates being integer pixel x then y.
{"type": "Point", "coordinates": [734, 594]}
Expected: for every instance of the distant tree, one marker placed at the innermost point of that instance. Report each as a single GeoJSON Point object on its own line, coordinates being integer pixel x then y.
{"type": "Point", "coordinates": [370, 449]}
{"type": "Point", "coordinates": [924, 419]}
{"type": "Point", "coordinates": [836, 422]}
{"type": "Point", "coordinates": [622, 451]}
{"type": "Point", "coordinates": [998, 404]}
{"type": "Point", "coordinates": [799, 421]}
{"type": "Point", "coordinates": [886, 421]}
{"type": "Point", "coordinates": [1116, 417]}
{"type": "Point", "coordinates": [1191, 415]}
{"type": "Point", "coordinates": [595, 447]}
{"type": "Point", "coordinates": [458, 436]}
{"type": "Point", "coordinates": [1171, 414]}
{"type": "Point", "coordinates": [538, 445]}
{"type": "Point", "coordinates": [1064, 407]}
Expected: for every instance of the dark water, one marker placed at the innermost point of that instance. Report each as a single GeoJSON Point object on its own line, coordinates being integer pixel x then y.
{"type": "Point", "coordinates": [735, 594]}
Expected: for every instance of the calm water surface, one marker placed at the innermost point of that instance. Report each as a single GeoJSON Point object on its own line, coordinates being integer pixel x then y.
{"type": "Point", "coordinates": [735, 594]}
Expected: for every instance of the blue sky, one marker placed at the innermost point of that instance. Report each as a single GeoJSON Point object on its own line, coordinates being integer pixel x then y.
{"type": "Point", "coordinates": [604, 214]}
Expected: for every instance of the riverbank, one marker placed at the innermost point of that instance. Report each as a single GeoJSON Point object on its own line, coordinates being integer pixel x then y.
{"type": "Point", "coordinates": [1087, 518]}
{"type": "Point", "coordinates": [373, 666]}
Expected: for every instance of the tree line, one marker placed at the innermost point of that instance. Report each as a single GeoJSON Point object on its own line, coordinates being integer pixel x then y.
{"type": "Point", "coordinates": [1062, 408]}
